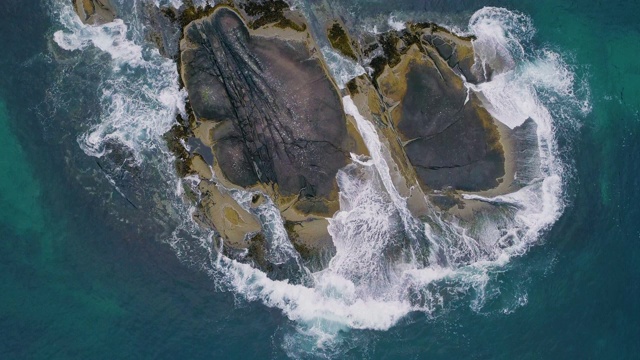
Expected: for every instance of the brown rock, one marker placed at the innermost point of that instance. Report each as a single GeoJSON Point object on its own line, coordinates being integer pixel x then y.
{"type": "Point", "coordinates": [94, 12]}
{"type": "Point", "coordinates": [447, 135]}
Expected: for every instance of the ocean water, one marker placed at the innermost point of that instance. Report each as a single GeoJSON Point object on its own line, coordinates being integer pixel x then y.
{"type": "Point", "coordinates": [95, 262]}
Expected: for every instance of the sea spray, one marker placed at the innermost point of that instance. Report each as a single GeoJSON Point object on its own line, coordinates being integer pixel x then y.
{"type": "Point", "coordinates": [141, 97]}
{"type": "Point", "coordinates": [522, 83]}
{"type": "Point", "coordinates": [341, 68]}
{"type": "Point", "coordinates": [177, 4]}
{"type": "Point", "coordinates": [374, 225]}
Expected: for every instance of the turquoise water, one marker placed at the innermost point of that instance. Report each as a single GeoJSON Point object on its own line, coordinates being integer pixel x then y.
{"type": "Point", "coordinates": [77, 282]}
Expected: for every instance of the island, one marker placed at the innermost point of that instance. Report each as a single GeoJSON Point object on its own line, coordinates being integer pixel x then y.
{"type": "Point", "coordinates": [266, 123]}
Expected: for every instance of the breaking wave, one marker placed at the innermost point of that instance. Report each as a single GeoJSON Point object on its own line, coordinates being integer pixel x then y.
{"type": "Point", "coordinates": [141, 96]}
{"type": "Point", "coordinates": [445, 260]}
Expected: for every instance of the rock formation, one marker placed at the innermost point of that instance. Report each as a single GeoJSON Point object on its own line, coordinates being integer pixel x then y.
{"type": "Point", "coordinates": [267, 126]}
{"type": "Point", "coordinates": [449, 138]}
{"type": "Point", "coordinates": [269, 118]}
{"type": "Point", "coordinates": [94, 12]}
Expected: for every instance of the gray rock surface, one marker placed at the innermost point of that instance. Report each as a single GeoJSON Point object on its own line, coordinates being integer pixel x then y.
{"type": "Point", "coordinates": [279, 117]}
{"type": "Point", "coordinates": [448, 137]}
{"type": "Point", "coordinates": [452, 142]}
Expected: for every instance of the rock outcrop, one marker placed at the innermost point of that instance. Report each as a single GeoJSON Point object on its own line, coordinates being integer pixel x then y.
{"type": "Point", "coordinates": [94, 12]}
{"type": "Point", "coordinates": [270, 119]}
{"type": "Point", "coordinates": [267, 127]}
{"type": "Point", "coordinates": [449, 138]}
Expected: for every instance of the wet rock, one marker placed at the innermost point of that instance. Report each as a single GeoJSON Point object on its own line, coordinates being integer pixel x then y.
{"type": "Point", "coordinates": [271, 12]}
{"type": "Point", "coordinates": [266, 106]}
{"type": "Point", "coordinates": [235, 224]}
{"type": "Point", "coordinates": [279, 117]}
{"type": "Point", "coordinates": [447, 135]}
{"type": "Point", "coordinates": [450, 140]}
{"type": "Point", "coordinates": [457, 51]}
{"type": "Point", "coordinates": [162, 29]}
{"type": "Point", "coordinates": [94, 12]}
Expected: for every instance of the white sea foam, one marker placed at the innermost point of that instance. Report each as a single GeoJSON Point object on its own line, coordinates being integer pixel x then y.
{"type": "Point", "coordinates": [140, 98]}
{"type": "Point", "coordinates": [341, 68]}
{"type": "Point", "coordinates": [524, 86]}
{"type": "Point", "coordinates": [203, 3]}
{"type": "Point", "coordinates": [110, 38]}
{"type": "Point", "coordinates": [380, 159]}
{"type": "Point", "coordinates": [396, 24]}
{"type": "Point", "coordinates": [373, 219]}
{"type": "Point", "coordinates": [333, 300]}
{"type": "Point", "coordinates": [176, 4]}
{"type": "Point", "coordinates": [362, 288]}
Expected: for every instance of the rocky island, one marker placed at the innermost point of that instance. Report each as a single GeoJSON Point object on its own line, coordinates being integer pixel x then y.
{"type": "Point", "coordinates": [267, 124]}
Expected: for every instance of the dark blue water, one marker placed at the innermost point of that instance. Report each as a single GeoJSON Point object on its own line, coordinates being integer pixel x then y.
{"type": "Point", "coordinates": [78, 282]}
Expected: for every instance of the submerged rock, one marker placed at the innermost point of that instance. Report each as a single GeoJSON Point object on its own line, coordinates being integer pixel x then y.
{"type": "Point", "coordinates": [94, 12]}
{"type": "Point", "coordinates": [162, 29]}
